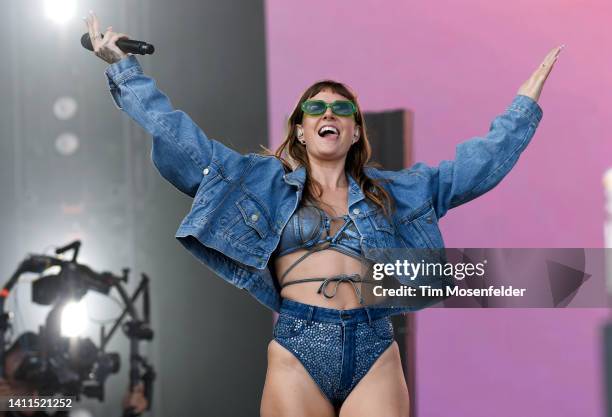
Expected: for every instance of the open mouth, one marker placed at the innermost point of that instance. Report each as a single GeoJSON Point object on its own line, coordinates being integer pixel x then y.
{"type": "Point", "coordinates": [329, 132]}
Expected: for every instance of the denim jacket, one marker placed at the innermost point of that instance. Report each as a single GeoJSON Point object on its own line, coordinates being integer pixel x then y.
{"type": "Point", "coordinates": [241, 203]}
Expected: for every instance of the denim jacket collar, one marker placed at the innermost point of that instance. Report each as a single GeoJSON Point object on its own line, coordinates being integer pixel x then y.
{"type": "Point", "coordinates": [296, 177]}
{"type": "Point", "coordinates": [355, 192]}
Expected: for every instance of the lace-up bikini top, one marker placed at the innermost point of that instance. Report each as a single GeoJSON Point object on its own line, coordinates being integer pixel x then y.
{"type": "Point", "coordinates": [310, 228]}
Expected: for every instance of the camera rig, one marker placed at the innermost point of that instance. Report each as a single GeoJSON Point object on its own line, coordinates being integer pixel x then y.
{"type": "Point", "coordinates": [74, 365]}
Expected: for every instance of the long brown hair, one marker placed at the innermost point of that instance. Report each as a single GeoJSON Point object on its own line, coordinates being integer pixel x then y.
{"type": "Point", "coordinates": [293, 154]}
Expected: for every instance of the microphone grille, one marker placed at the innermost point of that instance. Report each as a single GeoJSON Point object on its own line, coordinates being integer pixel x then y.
{"type": "Point", "coordinates": [86, 42]}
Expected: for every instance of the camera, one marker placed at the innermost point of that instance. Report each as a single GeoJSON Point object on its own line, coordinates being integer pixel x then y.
{"type": "Point", "coordinates": [56, 360]}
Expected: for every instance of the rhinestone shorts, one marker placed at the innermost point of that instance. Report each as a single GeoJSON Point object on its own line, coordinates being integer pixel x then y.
{"type": "Point", "coordinates": [337, 347]}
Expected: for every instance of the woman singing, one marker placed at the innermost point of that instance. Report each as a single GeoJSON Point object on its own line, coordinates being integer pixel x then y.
{"type": "Point", "coordinates": [297, 229]}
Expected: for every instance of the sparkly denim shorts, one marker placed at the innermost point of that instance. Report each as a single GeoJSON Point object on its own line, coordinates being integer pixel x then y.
{"type": "Point", "coordinates": [337, 347]}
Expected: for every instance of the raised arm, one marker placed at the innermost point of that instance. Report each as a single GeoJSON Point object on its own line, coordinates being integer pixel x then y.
{"type": "Point", "coordinates": [181, 151]}
{"type": "Point", "coordinates": [482, 162]}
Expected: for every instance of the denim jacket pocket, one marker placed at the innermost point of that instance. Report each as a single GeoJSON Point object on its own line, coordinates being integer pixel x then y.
{"type": "Point", "coordinates": [250, 228]}
{"type": "Point", "coordinates": [381, 223]}
{"type": "Point", "coordinates": [254, 216]}
{"type": "Point", "coordinates": [421, 228]}
{"type": "Point", "coordinates": [384, 232]}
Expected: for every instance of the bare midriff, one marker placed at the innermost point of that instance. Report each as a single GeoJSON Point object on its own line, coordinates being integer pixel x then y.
{"type": "Point", "coordinates": [322, 264]}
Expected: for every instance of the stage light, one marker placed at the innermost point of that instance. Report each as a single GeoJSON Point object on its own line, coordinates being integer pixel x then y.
{"type": "Point", "coordinates": [60, 10]}
{"type": "Point", "coordinates": [74, 319]}
{"type": "Point", "coordinates": [65, 108]}
{"type": "Point", "coordinates": [67, 143]}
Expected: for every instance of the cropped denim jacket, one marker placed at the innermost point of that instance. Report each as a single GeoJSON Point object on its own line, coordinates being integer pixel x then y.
{"type": "Point", "coordinates": [241, 202]}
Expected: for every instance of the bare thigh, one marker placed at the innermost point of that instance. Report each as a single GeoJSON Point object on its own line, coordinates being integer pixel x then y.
{"type": "Point", "coordinates": [289, 390]}
{"type": "Point", "coordinates": [382, 391]}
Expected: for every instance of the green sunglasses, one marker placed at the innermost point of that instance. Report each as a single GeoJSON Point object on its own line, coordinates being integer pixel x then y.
{"type": "Point", "coordinates": [342, 108]}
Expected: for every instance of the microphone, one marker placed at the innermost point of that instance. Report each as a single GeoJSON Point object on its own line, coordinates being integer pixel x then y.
{"type": "Point", "coordinates": [126, 45]}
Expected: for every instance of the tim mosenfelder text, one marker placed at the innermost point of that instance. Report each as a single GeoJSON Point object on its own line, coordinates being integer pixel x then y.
{"type": "Point", "coordinates": [458, 271]}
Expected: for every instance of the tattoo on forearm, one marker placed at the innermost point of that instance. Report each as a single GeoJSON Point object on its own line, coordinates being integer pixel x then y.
{"type": "Point", "coordinates": [108, 55]}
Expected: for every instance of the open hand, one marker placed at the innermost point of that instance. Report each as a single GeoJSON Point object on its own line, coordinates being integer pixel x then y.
{"type": "Point", "coordinates": [104, 46]}
{"type": "Point", "coordinates": [533, 86]}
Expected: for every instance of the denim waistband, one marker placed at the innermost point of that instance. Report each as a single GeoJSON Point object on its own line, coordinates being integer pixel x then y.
{"type": "Point", "coordinates": [330, 315]}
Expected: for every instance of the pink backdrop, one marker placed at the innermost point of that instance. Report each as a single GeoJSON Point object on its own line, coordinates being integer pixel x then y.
{"type": "Point", "coordinates": [457, 64]}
